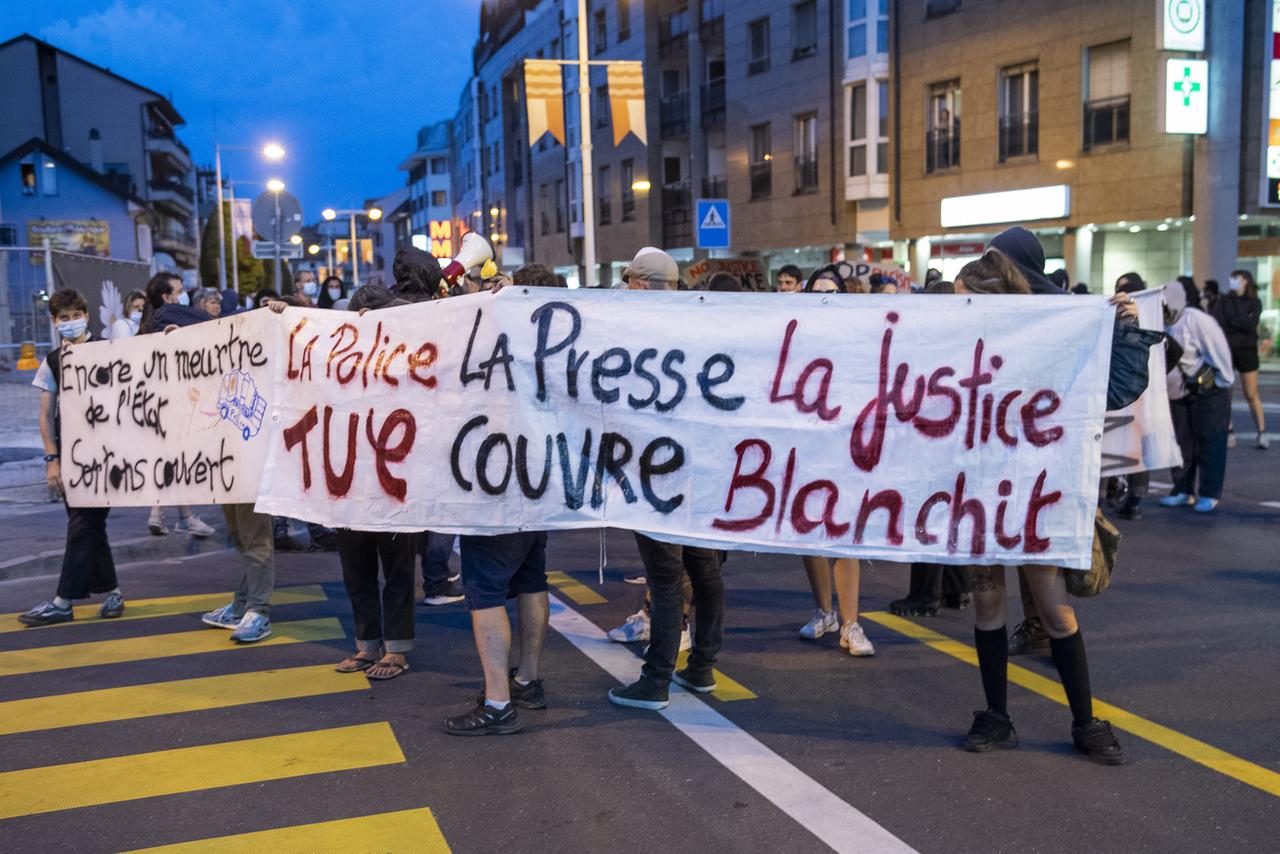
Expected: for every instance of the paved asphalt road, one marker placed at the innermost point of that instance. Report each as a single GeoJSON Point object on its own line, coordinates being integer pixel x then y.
{"type": "Point", "coordinates": [862, 752]}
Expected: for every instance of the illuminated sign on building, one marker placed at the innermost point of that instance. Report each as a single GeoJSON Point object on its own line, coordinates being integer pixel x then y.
{"type": "Point", "coordinates": [1272, 127]}
{"type": "Point", "coordinates": [441, 233]}
{"type": "Point", "coordinates": [1008, 206]}
{"type": "Point", "coordinates": [1181, 25]}
{"type": "Point", "coordinates": [1186, 96]}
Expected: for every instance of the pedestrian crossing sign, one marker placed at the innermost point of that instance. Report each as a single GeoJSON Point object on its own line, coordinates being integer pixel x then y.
{"type": "Point", "coordinates": [713, 223]}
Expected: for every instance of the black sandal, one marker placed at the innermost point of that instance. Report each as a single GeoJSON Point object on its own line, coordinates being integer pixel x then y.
{"type": "Point", "coordinates": [399, 670]}
{"type": "Point", "coordinates": [355, 664]}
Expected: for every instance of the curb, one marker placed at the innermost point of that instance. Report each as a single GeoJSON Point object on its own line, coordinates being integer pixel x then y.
{"type": "Point", "coordinates": [136, 550]}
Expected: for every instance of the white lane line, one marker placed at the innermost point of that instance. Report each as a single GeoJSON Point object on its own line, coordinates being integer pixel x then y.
{"type": "Point", "coordinates": [807, 802]}
{"type": "Point", "coordinates": [1272, 504]}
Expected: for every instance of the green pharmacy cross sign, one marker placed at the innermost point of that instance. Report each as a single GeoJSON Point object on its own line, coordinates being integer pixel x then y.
{"type": "Point", "coordinates": [1186, 87]}
{"type": "Point", "coordinates": [1186, 96]}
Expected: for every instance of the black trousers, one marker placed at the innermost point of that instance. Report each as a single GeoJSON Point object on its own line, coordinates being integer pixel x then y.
{"type": "Point", "coordinates": [1200, 423]}
{"type": "Point", "coordinates": [931, 581]}
{"type": "Point", "coordinates": [666, 565]}
{"type": "Point", "coordinates": [87, 565]}
{"type": "Point", "coordinates": [436, 549]}
{"type": "Point", "coordinates": [387, 615]}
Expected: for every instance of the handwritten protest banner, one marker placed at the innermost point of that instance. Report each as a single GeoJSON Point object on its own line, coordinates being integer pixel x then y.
{"type": "Point", "coordinates": [169, 419]}
{"type": "Point", "coordinates": [947, 428]}
{"type": "Point", "coordinates": [1140, 436]}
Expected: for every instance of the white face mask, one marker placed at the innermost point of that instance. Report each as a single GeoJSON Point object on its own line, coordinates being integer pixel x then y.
{"type": "Point", "coordinates": [72, 329]}
{"type": "Point", "coordinates": [1235, 283]}
{"type": "Point", "coordinates": [183, 299]}
{"type": "Point", "coordinates": [335, 294]}
{"type": "Point", "coordinates": [310, 288]}
{"type": "Point", "coordinates": [248, 302]}
{"type": "Point", "coordinates": [135, 317]}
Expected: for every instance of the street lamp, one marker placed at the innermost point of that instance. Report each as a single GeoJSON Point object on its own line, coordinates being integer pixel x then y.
{"type": "Point", "coordinates": [271, 151]}
{"type": "Point", "coordinates": [296, 240]}
{"type": "Point", "coordinates": [373, 214]}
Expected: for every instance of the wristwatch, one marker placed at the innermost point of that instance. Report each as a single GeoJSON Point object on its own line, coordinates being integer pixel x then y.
{"type": "Point", "coordinates": [50, 458]}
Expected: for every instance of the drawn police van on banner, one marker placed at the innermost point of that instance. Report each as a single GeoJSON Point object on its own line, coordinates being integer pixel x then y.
{"type": "Point", "coordinates": [240, 403]}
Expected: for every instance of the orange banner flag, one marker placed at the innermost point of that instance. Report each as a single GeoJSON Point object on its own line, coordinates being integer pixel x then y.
{"type": "Point", "coordinates": [626, 101]}
{"type": "Point", "coordinates": [544, 98]}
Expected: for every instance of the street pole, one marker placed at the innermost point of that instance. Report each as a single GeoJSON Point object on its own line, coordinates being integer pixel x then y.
{"type": "Point", "coordinates": [235, 264]}
{"type": "Point", "coordinates": [355, 261]}
{"type": "Point", "coordinates": [588, 176]}
{"type": "Point", "coordinates": [277, 271]}
{"type": "Point", "coordinates": [222, 231]}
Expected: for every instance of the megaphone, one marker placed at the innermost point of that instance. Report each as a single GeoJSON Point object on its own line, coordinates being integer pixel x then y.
{"type": "Point", "coordinates": [474, 251]}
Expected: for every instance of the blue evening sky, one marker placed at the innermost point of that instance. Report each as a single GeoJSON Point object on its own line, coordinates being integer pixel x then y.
{"type": "Point", "coordinates": [343, 86]}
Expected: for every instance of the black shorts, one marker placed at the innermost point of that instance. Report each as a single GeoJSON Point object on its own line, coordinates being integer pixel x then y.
{"type": "Point", "coordinates": [1245, 359]}
{"type": "Point", "coordinates": [497, 567]}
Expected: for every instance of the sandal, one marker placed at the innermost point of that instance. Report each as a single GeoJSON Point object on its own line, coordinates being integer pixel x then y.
{"type": "Point", "coordinates": [355, 664]}
{"type": "Point", "coordinates": [395, 668]}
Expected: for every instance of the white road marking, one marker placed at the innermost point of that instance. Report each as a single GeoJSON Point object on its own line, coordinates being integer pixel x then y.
{"type": "Point", "coordinates": [807, 802]}
{"type": "Point", "coordinates": [1161, 484]}
{"type": "Point", "coordinates": [1273, 504]}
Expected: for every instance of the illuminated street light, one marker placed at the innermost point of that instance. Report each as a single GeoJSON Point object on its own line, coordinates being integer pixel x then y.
{"type": "Point", "coordinates": [296, 240]}
{"type": "Point", "coordinates": [275, 185]}
{"type": "Point", "coordinates": [641, 185]}
{"type": "Point", "coordinates": [374, 213]}
{"type": "Point", "coordinates": [272, 151]}
{"type": "Point", "coordinates": [313, 249]}
{"type": "Point", "coordinates": [329, 213]}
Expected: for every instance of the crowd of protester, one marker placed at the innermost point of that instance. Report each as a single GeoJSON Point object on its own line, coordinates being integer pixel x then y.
{"type": "Point", "coordinates": [1210, 338]}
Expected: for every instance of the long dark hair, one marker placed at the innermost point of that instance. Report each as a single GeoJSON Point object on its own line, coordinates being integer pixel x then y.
{"type": "Point", "coordinates": [830, 272]}
{"type": "Point", "coordinates": [993, 273]}
{"type": "Point", "coordinates": [325, 301]}
{"type": "Point", "coordinates": [1250, 288]}
{"type": "Point", "coordinates": [158, 287]}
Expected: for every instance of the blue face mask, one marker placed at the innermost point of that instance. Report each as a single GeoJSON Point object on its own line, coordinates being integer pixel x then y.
{"type": "Point", "coordinates": [183, 299]}
{"type": "Point", "coordinates": [1235, 283]}
{"type": "Point", "coordinates": [72, 329]}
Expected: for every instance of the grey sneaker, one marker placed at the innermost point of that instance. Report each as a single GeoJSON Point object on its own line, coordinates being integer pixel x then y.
{"type": "Point", "coordinates": [112, 607]}
{"type": "Point", "coordinates": [46, 614]}
{"type": "Point", "coordinates": [223, 618]}
{"type": "Point", "coordinates": [195, 526]}
{"type": "Point", "coordinates": [253, 628]}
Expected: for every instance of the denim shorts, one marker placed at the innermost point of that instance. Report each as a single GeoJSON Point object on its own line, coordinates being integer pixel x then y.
{"type": "Point", "coordinates": [496, 568]}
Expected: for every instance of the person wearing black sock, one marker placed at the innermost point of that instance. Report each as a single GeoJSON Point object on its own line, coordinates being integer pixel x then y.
{"type": "Point", "coordinates": [991, 727]}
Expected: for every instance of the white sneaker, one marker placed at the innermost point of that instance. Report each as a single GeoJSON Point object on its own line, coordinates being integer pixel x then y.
{"type": "Point", "coordinates": [855, 640]}
{"type": "Point", "coordinates": [195, 526]}
{"type": "Point", "coordinates": [686, 640]}
{"type": "Point", "coordinates": [636, 628]}
{"type": "Point", "coordinates": [1231, 439]}
{"type": "Point", "coordinates": [822, 622]}
{"type": "Point", "coordinates": [1263, 442]}
{"type": "Point", "coordinates": [155, 524]}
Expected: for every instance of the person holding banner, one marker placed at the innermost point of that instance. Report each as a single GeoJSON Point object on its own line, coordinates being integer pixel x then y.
{"type": "Point", "coordinates": [995, 273]}
{"type": "Point", "coordinates": [87, 564]}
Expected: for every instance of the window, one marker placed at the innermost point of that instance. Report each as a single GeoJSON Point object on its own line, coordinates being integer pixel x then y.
{"type": "Point", "coordinates": [758, 46]}
{"type": "Point", "coordinates": [438, 166]}
{"type": "Point", "coordinates": [602, 31]}
{"type": "Point", "coordinates": [601, 108]}
{"type": "Point", "coordinates": [856, 33]}
{"type": "Point", "coordinates": [712, 9]}
{"type": "Point", "coordinates": [604, 206]}
{"type": "Point", "coordinates": [28, 177]}
{"type": "Point", "coordinates": [560, 205]}
{"type": "Point", "coordinates": [628, 176]}
{"type": "Point", "coordinates": [624, 20]}
{"type": "Point", "coordinates": [804, 24]}
{"type": "Point", "coordinates": [882, 129]}
{"type": "Point", "coordinates": [761, 161]}
{"type": "Point", "coordinates": [882, 27]}
{"type": "Point", "coordinates": [671, 170]}
{"type": "Point", "coordinates": [942, 140]}
{"type": "Point", "coordinates": [544, 204]}
{"type": "Point", "coordinates": [806, 150]}
{"type": "Point", "coordinates": [1106, 98]}
{"type": "Point", "coordinates": [1019, 111]}
{"type": "Point", "coordinates": [857, 130]}
{"type": "Point", "coordinates": [439, 198]}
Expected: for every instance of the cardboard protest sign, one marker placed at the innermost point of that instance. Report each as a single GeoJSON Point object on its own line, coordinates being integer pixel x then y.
{"type": "Point", "coordinates": [953, 429]}
{"type": "Point", "coordinates": [169, 419]}
{"type": "Point", "coordinates": [749, 271]}
{"type": "Point", "coordinates": [1140, 436]}
{"type": "Point", "coordinates": [886, 269]}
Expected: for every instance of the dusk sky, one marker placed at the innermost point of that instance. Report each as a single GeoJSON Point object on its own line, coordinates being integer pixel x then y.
{"type": "Point", "coordinates": [344, 87]}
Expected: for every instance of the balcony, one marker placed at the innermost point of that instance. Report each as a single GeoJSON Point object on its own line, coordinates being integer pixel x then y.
{"type": "Point", "coordinates": [713, 103]}
{"type": "Point", "coordinates": [1019, 135]}
{"type": "Point", "coordinates": [164, 143]}
{"type": "Point", "coordinates": [942, 149]}
{"type": "Point", "coordinates": [176, 239]}
{"type": "Point", "coordinates": [673, 33]}
{"type": "Point", "coordinates": [677, 219]}
{"type": "Point", "coordinates": [173, 193]}
{"type": "Point", "coordinates": [715, 187]}
{"type": "Point", "coordinates": [1106, 122]}
{"type": "Point", "coordinates": [673, 113]}
{"type": "Point", "coordinates": [761, 179]}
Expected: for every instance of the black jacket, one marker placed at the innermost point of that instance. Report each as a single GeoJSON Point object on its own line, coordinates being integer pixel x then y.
{"type": "Point", "coordinates": [1238, 316]}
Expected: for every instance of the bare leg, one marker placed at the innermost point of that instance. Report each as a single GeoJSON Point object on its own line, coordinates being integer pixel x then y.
{"type": "Point", "coordinates": [493, 642]}
{"type": "Point", "coordinates": [819, 571]}
{"type": "Point", "coordinates": [988, 597]}
{"type": "Point", "coordinates": [848, 577]}
{"type": "Point", "coordinates": [1049, 590]}
{"type": "Point", "coordinates": [534, 614]}
{"type": "Point", "coordinates": [1250, 382]}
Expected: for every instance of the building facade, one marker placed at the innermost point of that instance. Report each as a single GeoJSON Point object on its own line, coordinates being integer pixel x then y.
{"type": "Point", "coordinates": [121, 129]}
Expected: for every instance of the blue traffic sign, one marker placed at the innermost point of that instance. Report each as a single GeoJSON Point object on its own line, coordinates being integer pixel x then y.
{"type": "Point", "coordinates": [712, 218]}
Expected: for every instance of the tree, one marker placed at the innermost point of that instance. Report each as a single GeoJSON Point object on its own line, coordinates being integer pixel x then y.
{"type": "Point", "coordinates": [253, 273]}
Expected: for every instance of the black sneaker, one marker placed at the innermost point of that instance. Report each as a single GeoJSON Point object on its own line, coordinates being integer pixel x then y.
{"type": "Point", "coordinates": [46, 614]}
{"type": "Point", "coordinates": [956, 601]}
{"type": "Point", "coordinates": [529, 696]}
{"type": "Point", "coordinates": [989, 731]}
{"type": "Point", "coordinates": [445, 596]}
{"type": "Point", "coordinates": [1096, 740]}
{"type": "Point", "coordinates": [643, 693]}
{"type": "Point", "coordinates": [1028, 638]}
{"type": "Point", "coordinates": [484, 719]}
{"type": "Point", "coordinates": [912, 608]}
{"type": "Point", "coordinates": [1129, 510]}
{"type": "Point", "coordinates": [699, 681]}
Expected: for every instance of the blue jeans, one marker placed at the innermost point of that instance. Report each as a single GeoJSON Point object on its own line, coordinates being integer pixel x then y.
{"type": "Point", "coordinates": [436, 549]}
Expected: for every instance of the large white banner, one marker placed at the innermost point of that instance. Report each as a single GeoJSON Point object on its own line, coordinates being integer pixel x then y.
{"type": "Point", "coordinates": [945, 428]}
{"type": "Point", "coordinates": [1140, 436]}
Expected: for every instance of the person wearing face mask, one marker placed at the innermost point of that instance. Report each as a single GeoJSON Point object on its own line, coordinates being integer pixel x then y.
{"type": "Point", "coordinates": [304, 284]}
{"type": "Point", "coordinates": [330, 292]}
{"type": "Point", "coordinates": [1238, 312]}
{"type": "Point", "coordinates": [127, 326]}
{"type": "Point", "coordinates": [87, 564]}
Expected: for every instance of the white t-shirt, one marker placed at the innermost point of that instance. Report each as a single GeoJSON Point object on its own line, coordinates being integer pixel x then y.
{"type": "Point", "coordinates": [44, 378]}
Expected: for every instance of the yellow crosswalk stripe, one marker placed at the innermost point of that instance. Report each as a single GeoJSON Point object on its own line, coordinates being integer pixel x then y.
{"type": "Point", "coordinates": [727, 690]}
{"type": "Point", "coordinates": [168, 606]}
{"type": "Point", "coordinates": [1162, 736]}
{"type": "Point", "coordinates": [33, 791]}
{"type": "Point", "coordinates": [168, 698]}
{"type": "Point", "coordinates": [401, 832]}
{"type": "Point", "coordinates": [574, 589]}
{"type": "Point", "coordinates": [19, 661]}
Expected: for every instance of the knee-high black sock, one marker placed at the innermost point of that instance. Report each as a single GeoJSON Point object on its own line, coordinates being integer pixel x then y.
{"type": "Point", "coordinates": [993, 663]}
{"type": "Point", "coordinates": [1073, 667]}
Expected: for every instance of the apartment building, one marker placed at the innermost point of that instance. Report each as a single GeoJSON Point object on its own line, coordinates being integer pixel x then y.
{"type": "Point", "coordinates": [429, 188]}
{"type": "Point", "coordinates": [1053, 113]}
{"type": "Point", "coordinates": [119, 128]}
